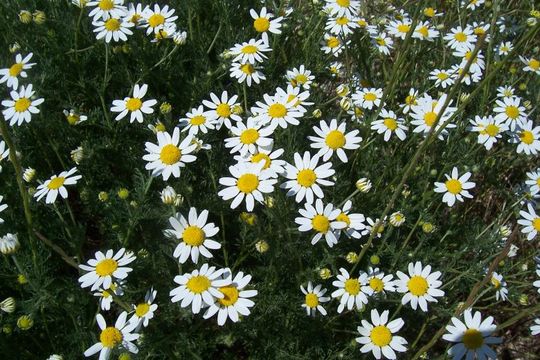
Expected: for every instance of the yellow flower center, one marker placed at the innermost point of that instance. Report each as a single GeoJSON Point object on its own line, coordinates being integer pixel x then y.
{"type": "Point", "coordinates": [442, 76]}
{"type": "Point", "coordinates": [73, 119]}
{"type": "Point", "coordinates": [332, 42]}
{"type": "Point", "coordinates": [380, 41]}
{"type": "Point", "coordinates": [429, 118]}
{"type": "Point", "coordinates": [135, 19]}
{"type": "Point", "coordinates": [343, 3]}
{"type": "Point", "coordinates": [156, 20]}
{"type": "Point", "coordinates": [110, 337]}
{"type": "Point", "coordinates": [512, 112]}
{"type": "Point", "coordinates": [56, 183]}
{"type": "Point", "coordinates": [391, 124]}
{"type": "Point", "coordinates": [197, 120]}
{"type": "Point", "coordinates": [526, 137]}
{"type": "Point", "coordinates": [193, 235]}
{"type": "Point", "coordinates": [249, 49]}
{"type": "Point", "coordinates": [423, 31]}
{"type": "Point", "coordinates": [320, 223]}
{"type": "Point", "coordinates": [301, 79]}
{"type": "Point", "coordinates": [22, 104]}
{"type": "Point", "coordinates": [342, 20]}
{"type": "Point", "coordinates": [344, 218]}
{"type": "Point", "coordinates": [312, 300]}
{"type": "Point", "coordinates": [533, 64]}
{"type": "Point", "coordinates": [335, 139]}
{"type": "Point", "coordinates": [370, 96]}
{"type": "Point", "coordinates": [453, 186]}
{"type": "Point", "coordinates": [247, 183]}
{"type": "Point", "coordinates": [15, 69]}
{"type": "Point", "coordinates": [380, 336]}
{"type": "Point", "coordinates": [277, 110]}
{"type": "Point", "coordinates": [410, 100]}
{"type": "Point", "coordinates": [306, 177]}
{"type": "Point", "coordinates": [376, 284]}
{"type": "Point", "coordinates": [247, 69]}
{"type": "Point", "coordinates": [460, 37]}
{"type": "Point", "coordinates": [492, 130]}
{"type": "Point", "coordinates": [249, 136]}
{"type": "Point", "coordinates": [473, 339]}
{"type": "Point", "coordinates": [106, 267]}
{"type": "Point", "coordinates": [105, 294]}
{"type": "Point", "coordinates": [223, 110]}
{"type": "Point", "coordinates": [112, 25]}
{"type": "Point", "coordinates": [479, 31]}
{"type": "Point", "coordinates": [429, 12]}
{"type": "Point", "coordinates": [352, 286]}
{"type": "Point", "coordinates": [261, 24]}
{"type": "Point", "coordinates": [106, 5]}
{"type": "Point", "coordinates": [403, 28]}
{"type": "Point", "coordinates": [133, 104]}
{"type": "Point", "coordinates": [417, 285]}
{"type": "Point", "coordinates": [170, 154]}
{"type": "Point", "coordinates": [259, 157]}
{"type": "Point", "coordinates": [536, 224]}
{"type": "Point", "coordinates": [496, 283]}
{"type": "Point", "coordinates": [142, 309]}
{"type": "Point", "coordinates": [230, 295]}
{"type": "Point", "coordinates": [198, 284]}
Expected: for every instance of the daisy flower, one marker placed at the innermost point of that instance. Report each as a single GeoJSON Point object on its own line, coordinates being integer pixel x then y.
{"type": "Point", "coordinates": [249, 182]}
{"type": "Point", "coordinates": [276, 111]}
{"type": "Point", "coordinates": [235, 301]}
{"type": "Point", "coordinates": [478, 64]}
{"type": "Point", "coordinates": [272, 162]}
{"type": "Point", "coordinates": [195, 235]}
{"type": "Point", "coordinates": [378, 336]}
{"type": "Point", "coordinates": [410, 101]}
{"type": "Point", "coordinates": [535, 329]}
{"type": "Point", "coordinates": [426, 112]}
{"type": "Point", "coordinates": [169, 155]}
{"type": "Point", "coordinates": [332, 45]}
{"type": "Point", "coordinates": [134, 13]}
{"type": "Point", "coordinates": [222, 109]}
{"type": "Point", "coordinates": [246, 72]}
{"type": "Point", "coordinates": [199, 288]}
{"type": "Point", "coordinates": [501, 291]}
{"type": "Point", "coordinates": [399, 28]}
{"type": "Point", "coordinates": [296, 96]}
{"type": "Point", "coordinates": [341, 25]}
{"type": "Point", "coordinates": [2, 208]}
{"type": "Point", "coordinates": [250, 52]}
{"type": "Point", "coordinates": [533, 180]}
{"type": "Point", "coordinates": [350, 291]}
{"type": "Point", "coordinates": [112, 29]}
{"type": "Point", "coordinates": [368, 98]}
{"type": "Point", "coordinates": [105, 296]}
{"type": "Point", "coordinates": [145, 311]}
{"type": "Point", "coordinates": [333, 138]}
{"type": "Point", "coordinates": [530, 222]}
{"type": "Point", "coordinates": [424, 31]}
{"type": "Point", "coordinates": [455, 187]}
{"type": "Point", "coordinates": [264, 24]}
{"type": "Point", "coordinates": [21, 107]}
{"type": "Point", "coordinates": [135, 105]}
{"type": "Point", "coordinates": [56, 185]}
{"type": "Point", "coordinates": [461, 38]}
{"type": "Point", "coordinates": [504, 48]}
{"type": "Point", "coordinates": [73, 118]}
{"type": "Point", "coordinates": [314, 297]}
{"type": "Point", "coordinates": [472, 338]}
{"type": "Point", "coordinates": [300, 77]}
{"type": "Point", "coordinates": [342, 7]}
{"type": "Point", "coordinates": [378, 283]}
{"type": "Point", "coordinates": [106, 269]}
{"type": "Point", "coordinates": [198, 120]}
{"type": "Point", "coordinates": [390, 124]}
{"type": "Point", "coordinates": [355, 222]}
{"type": "Point", "coordinates": [383, 43]}
{"type": "Point", "coordinates": [158, 18]}
{"type": "Point", "coordinates": [111, 337]}
{"type": "Point", "coordinates": [106, 9]}
{"type": "Point", "coordinates": [505, 91]}
{"type": "Point", "coordinates": [420, 286]}
{"type": "Point", "coordinates": [11, 74]}
{"type": "Point", "coordinates": [305, 177]}
{"type": "Point", "coordinates": [489, 130]}
{"type": "Point", "coordinates": [527, 137]}
{"type": "Point", "coordinates": [249, 137]}
{"type": "Point", "coordinates": [442, 78]}
{"type": "Point", "coordinates": [322, 219]}
{"type": "Point", "coordinates": [472, 4]}
{"type": "Point", "coordinates": [371, 226]}
{"type": "Point", "coordinates": [509, 109]}
{"type": "Point", "coordinates": [532, 65]}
